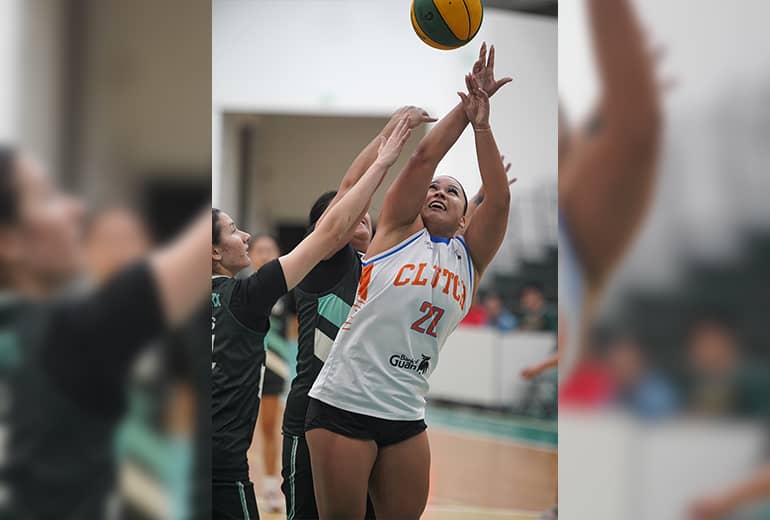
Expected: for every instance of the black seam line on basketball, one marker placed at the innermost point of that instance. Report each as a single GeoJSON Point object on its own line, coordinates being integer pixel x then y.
{"type": "Point", "coordinates": [470, 24]}
{"type": "Point", "coordinates": [446, 24]}
{"type": "Point", "coordinates": [416, 26]}
{"type": "Point", "coordinates": [472, 36]}
{"type": "Point", "coordinates": [451, 40]}
{"type": "Point", "coordinates": [455, 41]}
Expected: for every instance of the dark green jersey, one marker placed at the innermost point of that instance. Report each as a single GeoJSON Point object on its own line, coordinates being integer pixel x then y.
{"type": "Point", "coordinates": [63, 368]}
{"type": "Point", "coordinates": [323, 300]}
{"type": "Point", "coordinates": [240, 320]}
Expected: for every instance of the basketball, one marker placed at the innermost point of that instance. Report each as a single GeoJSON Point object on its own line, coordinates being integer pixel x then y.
{"type": "Point", "coordinates": [446, 24]}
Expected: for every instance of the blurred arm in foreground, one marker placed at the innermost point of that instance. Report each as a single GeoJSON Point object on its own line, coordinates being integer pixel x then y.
{"type": "Point", "coordinates": [66, 359]}
{"type": "Point", "coordinates": [606, 180]}
{"type": "Point", "coordinates": [754, 489]}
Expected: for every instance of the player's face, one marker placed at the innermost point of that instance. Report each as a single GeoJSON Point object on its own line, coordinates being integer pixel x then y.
{"type": "Point", "coordinates": [444, 210]}
{"type": "Point", "coordinates": [232, 250]}
{"type": "Point", "coordinates": [46, 243]}
{"type": "Point", "coordinates": [363, 234]}
{"type": "Point", "coordinates": [262, 251]}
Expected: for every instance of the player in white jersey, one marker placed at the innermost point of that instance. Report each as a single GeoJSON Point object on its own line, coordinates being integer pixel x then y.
{"type": "Point", "coordinates": [365, 422]}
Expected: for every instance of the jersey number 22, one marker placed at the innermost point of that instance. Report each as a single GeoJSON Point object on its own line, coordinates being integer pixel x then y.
{"type": "Point", "coordinates": [431, 311]}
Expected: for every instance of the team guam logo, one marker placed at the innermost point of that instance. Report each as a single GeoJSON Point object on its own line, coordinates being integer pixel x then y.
{"type": "Point", "coordinates": [424, 364]}
{"type": "Point", "coordinates": [416, 365]}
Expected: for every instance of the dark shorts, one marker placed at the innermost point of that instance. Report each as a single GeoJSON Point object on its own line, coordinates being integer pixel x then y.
{"type": "Point", "coordinates": [233, 501]}
{"type": "Point", "coordinates": [297, 483]}
{"type": "Point", "coordinates": [358, 426]}
{"type": "Point", "coordinates": [273, 383]}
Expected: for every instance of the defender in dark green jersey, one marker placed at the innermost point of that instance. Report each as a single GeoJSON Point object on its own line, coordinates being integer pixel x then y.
{"type": "Point", "coordinates": [323, 301]}
{"type": "Point", "coordinates": [240, 321]}
{"type": "Point", "coordinates": [64, 361]}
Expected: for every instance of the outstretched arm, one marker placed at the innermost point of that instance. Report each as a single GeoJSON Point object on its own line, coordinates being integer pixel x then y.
{"type": "Point", "coordinates": [415, 116]}
{"type": "Point", "coordinates": [608, 179]}
{"type": "Point", "coordinates": [757, 487]}
{"type": "Point", "coordinates": [535, 370]}
{"type": "Point", "coordinates": [331, 234]}
{"type": "Point", "coordinates": [406, 195]}
{"type": "Point", "coordinates": [486, 231]}
{"type": "Point", "coordinates": [181, 271]}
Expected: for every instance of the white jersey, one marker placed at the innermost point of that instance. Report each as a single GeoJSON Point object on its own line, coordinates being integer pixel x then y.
{"type": "Point", "coordinates": [410, 298]}
{"type": "Point", "coordinates": [571, 295]}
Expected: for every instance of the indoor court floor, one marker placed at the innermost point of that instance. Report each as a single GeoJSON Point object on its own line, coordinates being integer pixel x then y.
{"type": "Point", "coordinates": [484, 466]}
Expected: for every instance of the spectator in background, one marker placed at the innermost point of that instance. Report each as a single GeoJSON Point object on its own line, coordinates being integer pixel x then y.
{"type": "Point", "coordinates": [535, 314]}
{"type": "Point", "coordinates": [497, 315]}
{"type": "Point", "coordinates": [476, 316]}
{"type": "Point", "coordinates": [590, 384]}
{"type": "Point", "coordinates": [638, 387]}
{"type": "Point", "coordinates": [721, 382]}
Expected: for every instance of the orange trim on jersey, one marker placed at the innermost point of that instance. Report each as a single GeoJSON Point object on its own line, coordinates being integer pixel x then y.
{"type": "Point", "coordinates": [366, 278]}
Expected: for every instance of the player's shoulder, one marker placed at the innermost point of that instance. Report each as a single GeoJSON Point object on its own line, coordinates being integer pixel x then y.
{"type": "Point", "coordinates": [398, 244]}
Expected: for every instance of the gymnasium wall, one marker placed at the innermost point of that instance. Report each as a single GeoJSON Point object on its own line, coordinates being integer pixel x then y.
{"type": "Point", "coordinates": [481, 366]}
{"type": "Point", "coordinates": [100, 105]}
{"type": "Point", "coordinates": [9, 64]}
{"type": "Point", "coordinates": [373, 65]}
{"type": "Point", "coordinates": [295, 159]}
{"type": "Point", "coordinates": [142, 114]}
{"type": "Point", "coordinates": [641, 470]}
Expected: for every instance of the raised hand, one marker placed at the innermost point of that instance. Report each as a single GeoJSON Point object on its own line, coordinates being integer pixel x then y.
{"type": "Point", "coordinates": [484, 71]}
{"type": "Point", "coordinates": [475, 103]}
{"type": "Point", "coordinates": [415, 116]}
{"type": "Point", "coordinates": [390, 148]}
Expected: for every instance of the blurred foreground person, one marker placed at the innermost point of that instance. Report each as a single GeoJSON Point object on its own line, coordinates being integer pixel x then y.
{"type": "Point", "coordinates": [114, 238]}
{"type": "Point", "coordinates": [162, 443]}
{"type": "Point", "coordinates": [64, 361]}
{"type": "Point", "coordinates": [606, 170]}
